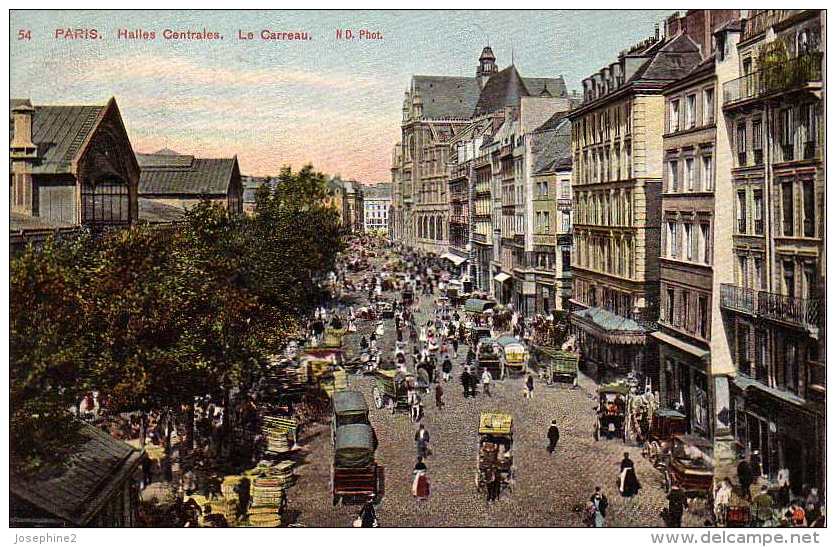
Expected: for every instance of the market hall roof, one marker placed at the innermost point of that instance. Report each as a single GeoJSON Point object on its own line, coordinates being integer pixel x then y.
{"type": "Point", "coordinates": [59, 132]}
{"type": "Point", "coordinates": [610, 327]}
{"type": "Point", "coordinates": [450, 97]}
{"type": "Point", "coordinates": [76, 491]}
{"type": "Point", "coordinates": [168, 173]}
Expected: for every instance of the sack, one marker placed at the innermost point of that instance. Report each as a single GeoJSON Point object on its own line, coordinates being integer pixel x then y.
{"type": "Point", "coordinates": [358, 523]}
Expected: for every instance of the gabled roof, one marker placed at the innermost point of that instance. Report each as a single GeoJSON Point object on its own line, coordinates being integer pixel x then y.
{"type": "Point", "coordinates": [75, 492]}
{"type": "Point", "coordinates": [447, 96]}
{"type": "Point", "coordinates": [502, 89]}
{"type": "Point", "coordinates": [554, 87]}
{"type": "Point", "coordinates": [183, 174]}
{"type": "Point", "coordinates": [59, 133]}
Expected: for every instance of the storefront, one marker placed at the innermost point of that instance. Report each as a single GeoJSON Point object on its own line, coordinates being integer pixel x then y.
{"type": "Point", "coordinates": [614, 344]}
{"type": "Point", "coordinates": [503, 287]}
{"type": "Point", "coordinates": [781, 429]}
{"type": "Point", "coordinates": [683, 382]}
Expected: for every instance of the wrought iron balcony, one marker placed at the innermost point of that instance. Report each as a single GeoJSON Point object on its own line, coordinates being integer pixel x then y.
{"type": "Point", "coordinates": [792, 74]}
{"type": "Point", "coordinates": [802, 312]}
{"type": "Point", "coordinates": [737, 298]}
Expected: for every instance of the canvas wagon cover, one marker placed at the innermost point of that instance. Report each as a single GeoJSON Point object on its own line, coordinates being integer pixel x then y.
{"type": "Point", "coordinates": [477, 305]}
{"type": "Point", "coordinates": [354, 446]}
{"type": "Point", "coordinates": [350, 402]}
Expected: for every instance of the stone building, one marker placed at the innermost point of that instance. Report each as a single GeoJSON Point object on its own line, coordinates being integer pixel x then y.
{"type": "Point", "coordinates": [691, 153]}
{"type": "Point", "coordinates": [771, 294]}
{"type": "Point", "coordinates": [377, 201]}
{"type": "Point", "coordinates": [616, 178]}
{"type": "Point", "coordinates": [181, 181]}
{"type": "Point", "coordinates": [69, 166]}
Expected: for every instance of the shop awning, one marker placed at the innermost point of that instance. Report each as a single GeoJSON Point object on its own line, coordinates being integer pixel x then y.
{"type": "Point", "coordinates": [608, 326]}
{"type": "Point", "coordinates": [502, 277]}
{"type": "Point", "coordinates": [455, 259]}
{"type": "Point", "coordinates": [681, 345]}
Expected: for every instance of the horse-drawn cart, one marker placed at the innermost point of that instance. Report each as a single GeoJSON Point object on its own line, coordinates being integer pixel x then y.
{"type": "Point", "coordinates": [494, 459]}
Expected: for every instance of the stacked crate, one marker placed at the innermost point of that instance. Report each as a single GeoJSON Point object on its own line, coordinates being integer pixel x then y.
{"type": "Point", "coordinates": [279, 434]}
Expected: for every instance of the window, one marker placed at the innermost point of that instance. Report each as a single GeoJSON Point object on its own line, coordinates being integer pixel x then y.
{"type": "Point", "coordinates": [785, 124]}
{"type": "Point", "coordinates": [690, 111]}
{"type": "Point", "coordinates": [757, 199]}
{"type": "Point", "coordinates": [809, 207]}
{"type": "Point", "coordinates": [684, 316]}
{"type": "Point", "coordinates": [743, 271]}
{"type": "Point", "coordinates": [757, 142]}
{"type": "Point", "coordinates": [105, 203]}
{"type": "Point", "coordinates": [761, 356]}
{"type": "Point", "coordinates": [759, 280]}
{"type": "Point", "coordinates": [743, 362]}
{"type": "Point", "coordinates": [674, 116]}
{"type": "Point", "coordinates": [546, 222]}
{"type": "Point", "coordinates": [707, 172]}
{"type": "Point", "coordinates": [789, 277]}
{"type": "Point", "coordinates": [670, 305]}
{"type": "Point", "coordinates": [741, 211]}
{"type": "Point", "coordinates": [808, 128]}
{"type": "Point", "coordinates": [689, 241]}
{"type": "Point", "coordinates": [671, 239]}
{"type": "Point", "coordinates": [705, 249]}
{"type": "Point", "coordinates": [567, 222]}
{"type": "Point", "coordinates": [787, 213]}
{"type": "Point", "coordinates": [702, 316]}
{"type": "Point", "coordinates": [708, 106]}
{"type": "Point", "coordinates": [741, 144]}
{"type": "Point", "coordinates": [689, 173]}
{"type": "Point", "coordinates": [791, 365]}
{"type": "Point", "coordinates": [564, 189]}
{"type": "Point", "coordinates": [673, 176]}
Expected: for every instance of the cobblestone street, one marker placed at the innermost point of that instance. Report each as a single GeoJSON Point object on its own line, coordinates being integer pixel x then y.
{"type": "Point", "coordinates": [550, 490]}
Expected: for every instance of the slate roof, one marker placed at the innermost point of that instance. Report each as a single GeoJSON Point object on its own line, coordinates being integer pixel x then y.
{"type": "Point", "coordinates": [502, 89]}
{"type": "Point", "coordinates": [555, 87]}
{"type": "Point", "coordinates": [74, 492]}
{"type": "Point", "coordinates": [58, 132]}
{"type": "Point", "coordinates": [183, 174]}
{"type": "Point", "coordinates": [673, 60]}
{"type": "Point", "coordinates": [153, 211]}
{"type": "Point", "coordinates": [552, 143]}
{"type": "Point", "coordinates": [447, 96]}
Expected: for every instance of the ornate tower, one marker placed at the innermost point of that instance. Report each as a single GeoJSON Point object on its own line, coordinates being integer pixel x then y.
{"type": "Point", "coordinates": [487, 66]}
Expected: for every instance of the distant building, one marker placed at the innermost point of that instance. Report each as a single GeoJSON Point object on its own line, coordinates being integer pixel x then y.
{"type": "Point", "coordinates": [96, 487]}
{"type": "Point", "coordinates": [181, 181]}
{"type": "Point", "coordinates": [69, 166]}
{"type": "Point", "coordinates": [251, 186]}
{"type": "Point", "coordinates": [377, 199]}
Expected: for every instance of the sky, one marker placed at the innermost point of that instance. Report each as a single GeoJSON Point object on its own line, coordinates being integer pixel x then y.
{"type": "Point", "coordinates": [333, 103]}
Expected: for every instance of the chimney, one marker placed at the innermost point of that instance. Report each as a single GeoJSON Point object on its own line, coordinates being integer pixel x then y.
{"type": "Point", "coordinates": [22, 144]}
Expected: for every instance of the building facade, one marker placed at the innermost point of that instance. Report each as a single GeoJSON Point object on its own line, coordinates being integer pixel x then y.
{"type": "Point", "coordinates": [70, 166]}
{"type": "Point", "coordinates": [772, 300]}
{"type": "Point", "coordinates": [616, 183]}
{"type": "Point", "coordinates": [377, 202]}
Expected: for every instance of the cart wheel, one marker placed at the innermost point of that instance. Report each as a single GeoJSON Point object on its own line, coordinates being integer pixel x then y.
{"type": "Point", "coordinates": [668, 481]}
{"type": "Point", "coordinates": [378, 398]}
{"type": "Point", "coordinates": [595, 434]}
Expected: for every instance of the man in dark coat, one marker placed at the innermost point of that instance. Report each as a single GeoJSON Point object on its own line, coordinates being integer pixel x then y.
{"type": "Point", "coordinates": [628, 481]}
{"type": "Point", "coordinates": [745, 476]}
{"type": "Point", "coordinates": [677, 502]}
{"type": "Point", "coordinates": [553, 435]}
{"type": "Point", "coordinates": [465, 378]}
{"type": "Point", "coordinates": [368, 518]}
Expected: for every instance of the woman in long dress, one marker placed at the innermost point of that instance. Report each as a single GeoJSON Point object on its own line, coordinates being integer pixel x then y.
{"type": "Point", "coordinates": [420, 481]}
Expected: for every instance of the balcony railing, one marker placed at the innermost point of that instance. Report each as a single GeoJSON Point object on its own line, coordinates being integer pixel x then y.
{"type": "Point", "coordinates": [794, 73]}
{"type": "Point", "coordinates": [737, 298]}
{"type": "Point", "coordinates": [803, 312]}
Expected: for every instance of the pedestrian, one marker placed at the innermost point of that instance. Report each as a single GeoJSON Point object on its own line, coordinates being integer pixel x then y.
{"type": "Point", "coordinates": [763, 506]}
{"type": "Point", "coordinates": [722, 500]}
{"type": "Point", "coordinates": [529, 386]}
{"type": "Point", "coordinates": [745, 477]}
{"type": "Point", "coordinates": [455, 343]}
{"type": "Point", "coordinates": [486, 382]}
{"type": "Point", "coordinates": [420, 481]}
{"type": "Point", "coordinates": [367, 517]}
{"type": "Point", "coordinates": [447, 368]}
{"type": "Point", "coordinates": [439, 393]}
{"type": "Point", "coordinates": [677, 503]}
{"type": "Point", "coordinates": [146, 471]}
{"type": "Point", "coordinates": [465, 379]}
{"type": "Point", "coordinates": [553, 436]}
{"type": "Point", "coordinates": [492, 483]}
{"type": "Point", "coordinates": [422, 442]}
{"type": "Point", "coordinates": [598, 510]}
{"type": "Point", "coordinates": [628, 482]}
